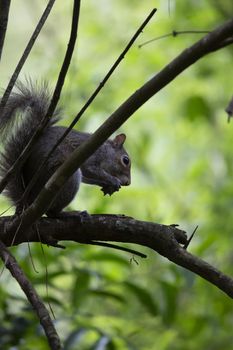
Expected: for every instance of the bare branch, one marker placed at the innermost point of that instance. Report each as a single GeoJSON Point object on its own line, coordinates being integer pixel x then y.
{"type": "Point", "coordinates": [25, 53]}
{"type": "Point", "coordinates": [224, 43]}
{"type": "Point", "coordinates": [134, 102]}
{"type": "Point", "coordinates": [32, 296]}
{"type": "Point", "coordinates": [117, 228]}
{"type": "Point", "coordinates": [4, 12]}
{"type": "Point", "coordinates": [56, 95]}
{"type": "Point", "coordinates": [174, 33]}
{"type": "Point", "coordinates": [117, 247]}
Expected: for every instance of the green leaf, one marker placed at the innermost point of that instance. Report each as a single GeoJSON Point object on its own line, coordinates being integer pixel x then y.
{"type": "Point", "coordinates": [105, 293]}
{"type": "Point", "coordinates": [144, 297]}
{"type": "Point", "coordinates": [196, 107]}
{"type": "Point", "coordinates": [80, 287]}
{"type": "Point", "coordinates": [170, 293]}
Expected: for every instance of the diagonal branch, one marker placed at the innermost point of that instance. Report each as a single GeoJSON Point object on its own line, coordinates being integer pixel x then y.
{"type": "Point", "coordinates": [4, 12]}
{"type": "Point", "coordinates": [163, 239]}
{"type": "Point", "coordinates": [132, 104]}
{"type": "Point", "coordinates": [32, 296]}
{"type": "Point", "coordinates": [26, 52]}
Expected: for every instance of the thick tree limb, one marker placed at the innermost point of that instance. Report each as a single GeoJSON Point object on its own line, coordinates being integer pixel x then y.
{"type": "Point", "coordinates": [165, 240]}
{"type": "Point", "coordinates": [188, 57]}
{"type": "Point", "coordinates": [4, 12]}
{"type": "Point", "coordinates": [32, 296]}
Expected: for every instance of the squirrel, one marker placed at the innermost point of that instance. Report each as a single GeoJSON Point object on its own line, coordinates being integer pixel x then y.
{"type": "Point", "coordinates": [108, 167]}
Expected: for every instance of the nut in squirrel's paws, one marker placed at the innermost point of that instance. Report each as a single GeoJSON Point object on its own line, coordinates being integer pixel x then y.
{"type": "Point", "coordinates": [110, 189]}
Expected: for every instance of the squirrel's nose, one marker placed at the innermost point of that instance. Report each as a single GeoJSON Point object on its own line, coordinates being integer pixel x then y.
{"type": "Point", "coordinates": [126, 182]}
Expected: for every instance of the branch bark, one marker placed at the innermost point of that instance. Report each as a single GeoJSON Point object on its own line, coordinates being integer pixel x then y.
{"type": "Point", "coordinates": [4, 12]}
{"type": "Point", "coordinates": [32, 296]}
{"type": "Point", "coordinates": [188, 57]}
{"type": "Point", "coordinates": [165, 240]}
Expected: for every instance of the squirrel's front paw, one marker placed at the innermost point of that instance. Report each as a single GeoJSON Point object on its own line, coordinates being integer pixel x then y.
{"type": "Point", "coordinates": [111, 188]}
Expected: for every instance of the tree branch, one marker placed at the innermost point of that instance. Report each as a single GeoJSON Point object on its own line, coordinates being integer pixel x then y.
{"type": "Point", "coordinates": [4, 12]}
{"type": "Point", "coordinates": [31, 294]}
{"type": "Point", "coordinates": [134, 102]}
{"type": "Point", "coordinates": [174, 33]}
{"type": "Point", "coordinates": [165, 240]}
{"type": "Point", "coordinates": [55, 98]}
{"type": "Point", "coordinates": [25, 53]}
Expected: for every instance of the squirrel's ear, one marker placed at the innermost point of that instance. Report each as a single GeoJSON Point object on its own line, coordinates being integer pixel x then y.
{"type": "Point", "coordinates": [119, 140]}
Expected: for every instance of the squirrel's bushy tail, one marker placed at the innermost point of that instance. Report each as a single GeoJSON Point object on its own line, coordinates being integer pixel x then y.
{"type": "Point", "coordinates": [28, 104]}
{"type": "Point", "coordinates": [21, 116]}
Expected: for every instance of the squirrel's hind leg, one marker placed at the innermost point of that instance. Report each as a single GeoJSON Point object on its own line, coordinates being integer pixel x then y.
{"type": "Point", "coordinates": [65, 196]}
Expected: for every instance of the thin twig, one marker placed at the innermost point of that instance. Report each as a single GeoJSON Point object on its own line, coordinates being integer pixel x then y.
{"type": "Point", "coordinates": [25, 54]}
{"type": "Point", "coordinates": [4, 13]}
{"type": "Point", "coordinates": [169, 7]}
{"type": "Point", "coordinates": [114, 246]}
{"type": "Point", "coordinates": [46, 270]}
{"type": "Point", "coordinates": [190, 238]}
{"type": "Point", "coordinates": [32, 296]}
{"type": "Point", "coordinates": [31, 258]}
{"type": "Point", "coordinates": [174, 33]}
{"type": "Point", "coordinates": [56, 95]}
{"type": "Point", "coordinates": [87, 104]}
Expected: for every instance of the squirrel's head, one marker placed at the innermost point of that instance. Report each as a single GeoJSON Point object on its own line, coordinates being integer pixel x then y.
{"type": "Point", "coordinates": [120, 161]}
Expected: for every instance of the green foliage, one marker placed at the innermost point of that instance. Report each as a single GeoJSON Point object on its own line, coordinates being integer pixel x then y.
{"type": "Point", "coordinates": [181, 150]}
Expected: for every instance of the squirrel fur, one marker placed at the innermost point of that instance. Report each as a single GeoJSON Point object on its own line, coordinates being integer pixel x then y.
{"type": "Point", "coordinates": [108, 167]}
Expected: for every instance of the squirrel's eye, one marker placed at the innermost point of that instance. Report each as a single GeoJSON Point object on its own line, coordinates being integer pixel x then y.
{"type": "Point", "coordinates": [125, 160]}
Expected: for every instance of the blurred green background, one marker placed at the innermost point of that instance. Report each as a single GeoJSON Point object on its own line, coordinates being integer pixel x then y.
{"type": "Point", "coordinates": [181, 149]}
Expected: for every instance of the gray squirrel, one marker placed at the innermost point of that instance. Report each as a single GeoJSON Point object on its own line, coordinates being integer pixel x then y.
{"type": "Point", "coordinates": [108, 167]}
